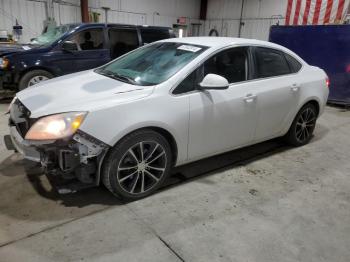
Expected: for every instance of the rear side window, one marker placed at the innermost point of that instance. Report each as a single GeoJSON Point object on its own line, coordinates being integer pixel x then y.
{"type": "Point", "coordinates": [152, 35]}
{"type": "Point", "coordinates": [294, 64]}
{"type": "Point", "coordinates": [122, 41]}
{"type": "Point", "coordinates": [270, 62]}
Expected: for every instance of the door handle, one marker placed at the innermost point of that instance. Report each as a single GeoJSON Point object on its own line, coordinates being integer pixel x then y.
{"type": "Point", "coordinates": [249, 98]}
{"type": "Point", "coordinates": [295, 88]}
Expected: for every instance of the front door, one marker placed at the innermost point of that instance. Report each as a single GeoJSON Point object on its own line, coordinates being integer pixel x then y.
{"type": "Point", "coordinates": [91, 50]}
{"type": "Point", "coordinates": [221, 120]}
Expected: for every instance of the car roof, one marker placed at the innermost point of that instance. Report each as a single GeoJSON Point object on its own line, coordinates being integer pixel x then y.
{"type": "Point", "coordinates": [213, 41]}
{"type": "Point", "coordinates": [117, 25]}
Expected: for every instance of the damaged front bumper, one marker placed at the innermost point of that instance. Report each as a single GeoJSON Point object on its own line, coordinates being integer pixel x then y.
{"type": "Point", "coordinates": [79, 157]}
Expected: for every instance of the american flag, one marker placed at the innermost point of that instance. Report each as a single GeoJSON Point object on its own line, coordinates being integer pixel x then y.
{"type": "Point", "coordinates": [316, 12]}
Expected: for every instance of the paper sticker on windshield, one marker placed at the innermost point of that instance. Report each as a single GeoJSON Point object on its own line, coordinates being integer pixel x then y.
{"type": "Point", "coordinates": [25, 47]}
{"type": "Point", "coordinates": [189, 48]}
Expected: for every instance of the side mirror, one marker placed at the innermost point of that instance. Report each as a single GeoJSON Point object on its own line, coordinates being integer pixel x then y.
{"type": "Point", "coordinates": [213, 81]}
{"type": "Point", "coordinates": [69, 46]}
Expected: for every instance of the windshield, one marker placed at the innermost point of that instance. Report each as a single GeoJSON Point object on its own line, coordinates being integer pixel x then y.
{"type": "Point", "coordinates": [52, 35]}
{"type": "Point", "coordinates": [153, 64]}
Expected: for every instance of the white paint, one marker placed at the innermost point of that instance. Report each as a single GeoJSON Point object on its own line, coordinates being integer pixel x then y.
{"type": "Point", "coordinates": [221, 120]}
{"type": "Point", "coordinates": [189, 48]}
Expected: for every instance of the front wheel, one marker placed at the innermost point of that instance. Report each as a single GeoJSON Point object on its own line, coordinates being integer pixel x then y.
{"type": "Point", "coordinates": [34, 77]}
{"type": "Point", "coordinates": [138, 165]}
{"type": "Point", "coordinates": [303, 126]}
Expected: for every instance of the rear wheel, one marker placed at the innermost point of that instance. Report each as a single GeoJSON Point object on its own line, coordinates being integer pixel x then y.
{"type": "Point", "coordinates": [138, 165]}
{"type": "Point", "coordinates": [303, 126]}
{"type": "Point", "coordinates": [34, 77]}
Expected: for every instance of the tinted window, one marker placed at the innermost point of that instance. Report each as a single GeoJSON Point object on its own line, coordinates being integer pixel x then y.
{"type": "Point", "coordinates": [231, 64]}
{"type": "Point", "coordinates": [270, 62]}
{"type": "Point", "coordinates": [294, 64]}
{"type": "Point", "coordinates": [122, 41]}
{"type": "Point", "coordinates": [152, 35]}
{"type": "Point", "coordinates": [186, 85]}
{"type": "Point", "coordinates": [88, 39]}
{"type": "Point", "coordinates": [189, 84]}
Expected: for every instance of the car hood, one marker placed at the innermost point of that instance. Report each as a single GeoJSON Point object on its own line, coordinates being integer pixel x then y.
{"type": "Point", "coordinates": [83, 91]}
{"type": "Point", "coordinates": [6, 49]}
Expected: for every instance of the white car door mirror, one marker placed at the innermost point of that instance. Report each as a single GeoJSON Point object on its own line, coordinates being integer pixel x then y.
{"type": "Point", "coordinates": [213, 81]}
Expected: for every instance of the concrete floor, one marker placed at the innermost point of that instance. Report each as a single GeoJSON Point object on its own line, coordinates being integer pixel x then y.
{"type": "Point", "coordinates": [267, 203]}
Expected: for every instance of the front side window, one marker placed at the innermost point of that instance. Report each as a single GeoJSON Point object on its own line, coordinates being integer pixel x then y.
{"type": "Point", "coordinates": [152, 64]}
{"type": "Point", "coordinates": [188, 84]}
{"type": "Point", "coordinates": [90, 39]}
{"type": "Point", "coordinates": [231, 64]}
{"type": "Point", "coordinates": [270, 62]}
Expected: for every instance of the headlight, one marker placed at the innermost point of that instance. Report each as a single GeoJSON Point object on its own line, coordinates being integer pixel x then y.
{"type": "Point", "coordinates": [56, 126]}
{"type": "Point", "coordinates": [4, 62]}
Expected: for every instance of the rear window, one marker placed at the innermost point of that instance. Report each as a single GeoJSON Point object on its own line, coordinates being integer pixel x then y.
{"type": "Point", "coordinates": [152, 35]}
{"type": "Point", "coordinates": [270, 62]}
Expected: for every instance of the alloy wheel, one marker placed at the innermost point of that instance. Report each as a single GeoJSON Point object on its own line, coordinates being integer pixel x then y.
{"type": "Point", "coordinates": [37, 79]}
{"type": "Point", "coordinates": [305, 124]}
{"type": "Point", "coordinates": [141, 167]}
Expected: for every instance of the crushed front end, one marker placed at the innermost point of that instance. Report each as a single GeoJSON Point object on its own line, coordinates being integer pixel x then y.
{"type": "Point", "coordinates": [75, 158]}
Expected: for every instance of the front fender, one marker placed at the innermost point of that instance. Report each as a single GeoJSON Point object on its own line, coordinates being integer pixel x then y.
{"type": "Point", "coordinates": [113, 123]}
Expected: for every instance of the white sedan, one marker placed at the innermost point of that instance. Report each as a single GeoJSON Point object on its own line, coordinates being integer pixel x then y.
{"type": "Point", "coordinates": [127, 123]}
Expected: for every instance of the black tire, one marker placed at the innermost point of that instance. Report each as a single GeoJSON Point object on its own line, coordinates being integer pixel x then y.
{"type": "Point", "coordinates": [24, 81]}
{"type": "Point", "coordinates": [303, 126]}
{"type": "Point", "coordinates": [128, 185]}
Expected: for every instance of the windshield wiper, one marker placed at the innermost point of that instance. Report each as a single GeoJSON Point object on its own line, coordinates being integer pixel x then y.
{"type": "Point", "coordinates": [117, 76]}
{"type": "Point", "coordinates": [126, 79]}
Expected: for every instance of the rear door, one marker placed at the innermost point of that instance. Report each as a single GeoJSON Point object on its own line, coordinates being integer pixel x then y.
{"type": "Point", "coordinates": [277, 90]}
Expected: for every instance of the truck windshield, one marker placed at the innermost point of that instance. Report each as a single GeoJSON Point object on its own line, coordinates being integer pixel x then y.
{"type": "Point", "coordinates": [152, 64]}
{"type": "Point", "coordinates": [51, 35]}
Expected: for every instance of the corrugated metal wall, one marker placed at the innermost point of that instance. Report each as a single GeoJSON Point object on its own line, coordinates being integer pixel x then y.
{"type": "Point", "coordinates": [258, 16]}
{"type": "Point", "coordinates": [223, 15]}
{"type": "Point", "coordinates": [31, 13]}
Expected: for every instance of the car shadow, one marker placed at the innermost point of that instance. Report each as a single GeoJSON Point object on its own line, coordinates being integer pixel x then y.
{"type": "Point", "coordinates": [180, 175]}
{"type": "Point", "coordinates": [226, 161]}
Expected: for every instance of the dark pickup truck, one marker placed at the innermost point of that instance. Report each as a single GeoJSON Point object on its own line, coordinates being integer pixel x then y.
{"type": "Point", "coordinates": [71, 48]}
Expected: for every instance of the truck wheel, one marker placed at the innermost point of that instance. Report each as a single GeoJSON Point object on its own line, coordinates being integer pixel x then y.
{"type": "Point", "coordinates": [138, 165]}
{"type": "Point", "coordinates": [33, 77]}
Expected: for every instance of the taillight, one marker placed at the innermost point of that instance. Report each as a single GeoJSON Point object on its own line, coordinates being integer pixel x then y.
{"type": "Point", "coordinates": [328, 82]}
